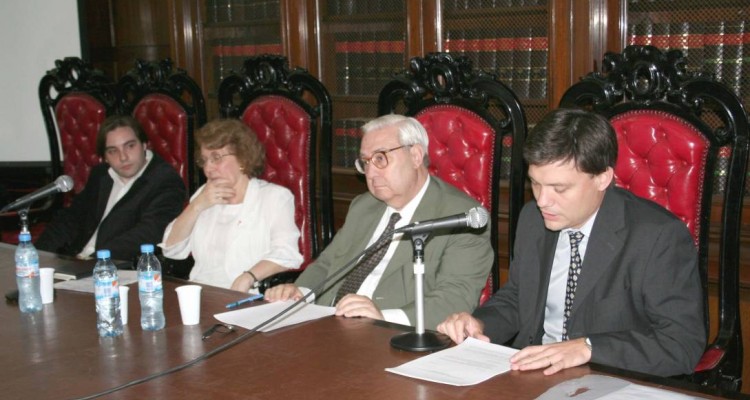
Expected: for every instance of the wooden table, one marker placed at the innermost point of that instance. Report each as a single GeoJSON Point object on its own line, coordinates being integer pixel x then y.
{"type": "Point", "coordinates": [57, 353]}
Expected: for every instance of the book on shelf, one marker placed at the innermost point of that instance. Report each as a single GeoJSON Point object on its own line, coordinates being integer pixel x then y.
{"type": "Point", "coordinates": [734, 53]}
{"type": "Point", "coordinates": [713, 48]}
{"type": "Point", "coordinates": [487, 59]}
{"type": "Point", "coordinates": [343, 73]}
{"type": "Point", "coordinates": [369, 64]}
{"type": "Point", "coordinates": [522, 62]}
{"type": "Point", "coordinates": [504, 43]}
{"type": "Point", "coordinates": [538, 64]}
{"type": "Point", "coordinates": [340, 145]}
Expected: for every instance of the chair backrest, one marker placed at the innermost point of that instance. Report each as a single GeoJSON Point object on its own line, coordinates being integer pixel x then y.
{"type": "Point", "coordinates": [290, 111]}
{"type": "Point", "coordinates": [75, 99]}
{"type": "Point", "coordinates": [170, 106]}
{"type": "Point", "coordinates": [683, 143]}
{"type": "Point", "coordinates": [471, 120]}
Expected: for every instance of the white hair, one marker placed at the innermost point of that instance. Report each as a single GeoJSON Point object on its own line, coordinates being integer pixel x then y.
{"type": "Point", "coordinates": [410, 131]}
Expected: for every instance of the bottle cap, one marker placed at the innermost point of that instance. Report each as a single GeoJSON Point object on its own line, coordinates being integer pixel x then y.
{"type": "Point", "coordinates": [24, 237]}
{"type": "Point", "coordinates": [104, 253]}
{"type": "Point", "coordinates": [147, 248]}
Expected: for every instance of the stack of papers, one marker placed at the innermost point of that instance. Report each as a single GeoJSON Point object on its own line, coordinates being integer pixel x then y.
{"type": "Point", "coordinates": [469, 363]}
{"type": "Point", "coordinates": [251, 317]}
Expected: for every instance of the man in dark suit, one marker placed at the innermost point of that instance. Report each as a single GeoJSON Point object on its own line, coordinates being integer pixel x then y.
{"type": "Point", "coordinates": [598, 274]}
{"type": "Point", "coordinates": [393, 157]}
{"type": "Point", "coordinates": [128, 200]}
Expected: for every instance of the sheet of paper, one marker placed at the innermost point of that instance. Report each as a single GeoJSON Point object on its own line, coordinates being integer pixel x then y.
{"type": "Point", "coordinates": [592, 387]}
{"type": "Point", "coordinates": [251, 317]}
{"type": "Point", "coordinates": [469, 363]}
{"type": "Point", "coordinates": [126, 277]}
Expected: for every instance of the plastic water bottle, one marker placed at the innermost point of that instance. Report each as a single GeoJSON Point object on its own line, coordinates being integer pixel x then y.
{"type": "Point", "coordinates": [107, 293]}
{"type": "Point", "coordinates": [150, 289]}
{"type": "Point", "coordinates": [27, 275]}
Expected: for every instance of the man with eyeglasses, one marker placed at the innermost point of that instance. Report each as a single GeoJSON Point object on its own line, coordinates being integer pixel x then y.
{"type": "Point", "coordinates": [393, 158]}
{"type": "Point", "coordinates": [128, 200]}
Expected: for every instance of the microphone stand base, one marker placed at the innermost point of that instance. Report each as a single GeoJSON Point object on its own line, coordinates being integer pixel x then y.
{"type": "Point", "coordinates": [428, 341]}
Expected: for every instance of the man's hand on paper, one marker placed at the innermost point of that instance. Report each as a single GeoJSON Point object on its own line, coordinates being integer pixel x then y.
{"type": "Point", "coordinates": [462, 325]}
{"type": "Point", "coordinates": [283, 292]}
{"type": "Point", "coordinates": [553, 357]}
{"type": "Point", "coordinates": [353, 305]}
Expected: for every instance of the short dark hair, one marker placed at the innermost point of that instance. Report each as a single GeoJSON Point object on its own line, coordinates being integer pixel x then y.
{"type": "Point", "coordinates": [244, 143]}
{"type": "Point", "coordinates": [117, 121]}
{"type": "Point", "coordinates": [585, 137]}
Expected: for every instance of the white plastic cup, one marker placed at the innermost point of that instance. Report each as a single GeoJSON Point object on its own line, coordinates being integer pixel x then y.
{"type": "Point", "coordinates": [189, 297]}
{"type": "Point", "coordinates": [124, 304]}
{"type": "Point", "coordinates": [47, 279]}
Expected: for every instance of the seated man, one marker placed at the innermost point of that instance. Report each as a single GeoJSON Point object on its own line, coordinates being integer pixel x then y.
{"type": "Point", "coordinates": [393, 157]}
{"type": "Point", "coordinates": [128, 200]}
{"type": "Point", "coordinates": [598, 274]}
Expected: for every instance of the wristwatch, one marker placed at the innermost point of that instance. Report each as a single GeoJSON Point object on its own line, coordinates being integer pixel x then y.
{"type": "Point", "coordinates": [587, 342]}
{"type": "Point", "coordinates": [256, 282]}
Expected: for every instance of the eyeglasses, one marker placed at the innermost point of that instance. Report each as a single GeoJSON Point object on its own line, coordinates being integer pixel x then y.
{"type": "Point", "coordinates": [214, 158]}
{"type": "Point", "coordinates": [221, 328]}
{"type": "Point", "coordinates": [379, 159]}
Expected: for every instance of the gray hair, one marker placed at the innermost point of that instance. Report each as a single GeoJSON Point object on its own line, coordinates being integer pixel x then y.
{"type": "Point", "coordinates": [410, 131]}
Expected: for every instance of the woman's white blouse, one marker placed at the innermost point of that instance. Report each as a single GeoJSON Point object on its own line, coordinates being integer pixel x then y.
{"type": "Point", "coordinates": [229, 239]}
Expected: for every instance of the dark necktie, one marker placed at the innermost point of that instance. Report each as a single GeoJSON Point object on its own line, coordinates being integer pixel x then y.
{"type": "Point", "coordinates": [573, 272]}
{"type": "Point", "coordinates": [368, 261]}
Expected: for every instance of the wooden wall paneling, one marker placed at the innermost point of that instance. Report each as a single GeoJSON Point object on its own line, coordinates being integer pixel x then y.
{"type": "Point", "coordinates": [141, 30]}
{"type": "Point", "coordinates": [561, 50]}
{"type": "Point", "coordinates": [296, 33]}
{"type": "Point", "coordinates": [184, 29]}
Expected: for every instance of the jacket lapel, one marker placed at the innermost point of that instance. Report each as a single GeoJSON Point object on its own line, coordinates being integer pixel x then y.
{"type": "Point", "coordinates": [105, 188]}
{"type": "Point", "coordinates": [547, 244]}
{"type": "Point", "coordinates": [603, 245]}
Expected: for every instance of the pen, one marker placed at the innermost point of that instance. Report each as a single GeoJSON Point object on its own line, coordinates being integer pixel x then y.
{"type": "Point", "coordinates": [243, 301]}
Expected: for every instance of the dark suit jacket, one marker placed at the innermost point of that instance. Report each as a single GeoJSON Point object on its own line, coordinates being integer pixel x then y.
{"type": "Point", "coordinates": [457, 263]}
{"type": "Point", "coordinates": [638, 298]}
{"type": "Point", "coordinates": [156, 198]}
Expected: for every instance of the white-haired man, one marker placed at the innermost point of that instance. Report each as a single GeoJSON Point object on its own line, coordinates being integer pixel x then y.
{"type": "Point", "coordinates": [393, 158]}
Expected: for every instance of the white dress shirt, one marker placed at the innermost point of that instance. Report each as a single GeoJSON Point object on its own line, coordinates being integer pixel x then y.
{"type": "Point", "coordinates": [558, 281]}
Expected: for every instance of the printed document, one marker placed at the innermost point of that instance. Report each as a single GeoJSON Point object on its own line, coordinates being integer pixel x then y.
{"type": "Point", "coordinates": [251, 317]}
{"type": "Point", "coordinates": [469, 363]}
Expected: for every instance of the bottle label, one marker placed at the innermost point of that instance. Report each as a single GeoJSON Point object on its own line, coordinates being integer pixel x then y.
{"type": "Point", "coordinates": [149, 282]}
{"type": "Point", "coordinates": [27, 271]}
{"type": "Point", "coordinates": [106, 288]}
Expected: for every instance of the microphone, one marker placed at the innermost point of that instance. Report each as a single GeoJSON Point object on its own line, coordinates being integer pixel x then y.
{"type": "Point", "coordinates": [475, 218]}
{"type": "Point", "coordinates": [61, 185]}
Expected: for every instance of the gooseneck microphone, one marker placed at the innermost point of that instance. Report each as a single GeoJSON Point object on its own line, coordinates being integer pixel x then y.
{"type": "Point", "coordinates": [475, 218]}
{"type": "Point", "coordinates": [61, 185]}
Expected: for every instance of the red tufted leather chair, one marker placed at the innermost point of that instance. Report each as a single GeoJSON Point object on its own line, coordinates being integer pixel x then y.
{"type": "Point", "coordinates": [290, 111]}
{"type": "Point", "coordinates": [75, 99]}
{"type": "Point", "coordinates": [467, 115]}
{"type": "Point", "coordinates": [683, 143]}
{"type": "Point", "coordinates": [170, 107]}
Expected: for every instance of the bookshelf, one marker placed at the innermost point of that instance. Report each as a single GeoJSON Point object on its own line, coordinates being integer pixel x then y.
{"type": "Point", "coordinates": [234, 30]}
{"type": "Point", "coordinates": [363, 44]}
{"type": "Point", "coordinates": [487, 32]}
{"type": "Point", "coordinates": [714, 36]}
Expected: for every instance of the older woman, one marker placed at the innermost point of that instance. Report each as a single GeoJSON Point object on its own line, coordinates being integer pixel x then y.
{"type": "Point", "coordinates": [240, 229]}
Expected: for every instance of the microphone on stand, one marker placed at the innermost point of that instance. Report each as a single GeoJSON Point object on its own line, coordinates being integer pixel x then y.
{"type": "Point", "coordinates": [475, 218]}
{"type": "Point", "coordinates": [61, 185]}
{"type": "Point", "coordinates": [420, 339]}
